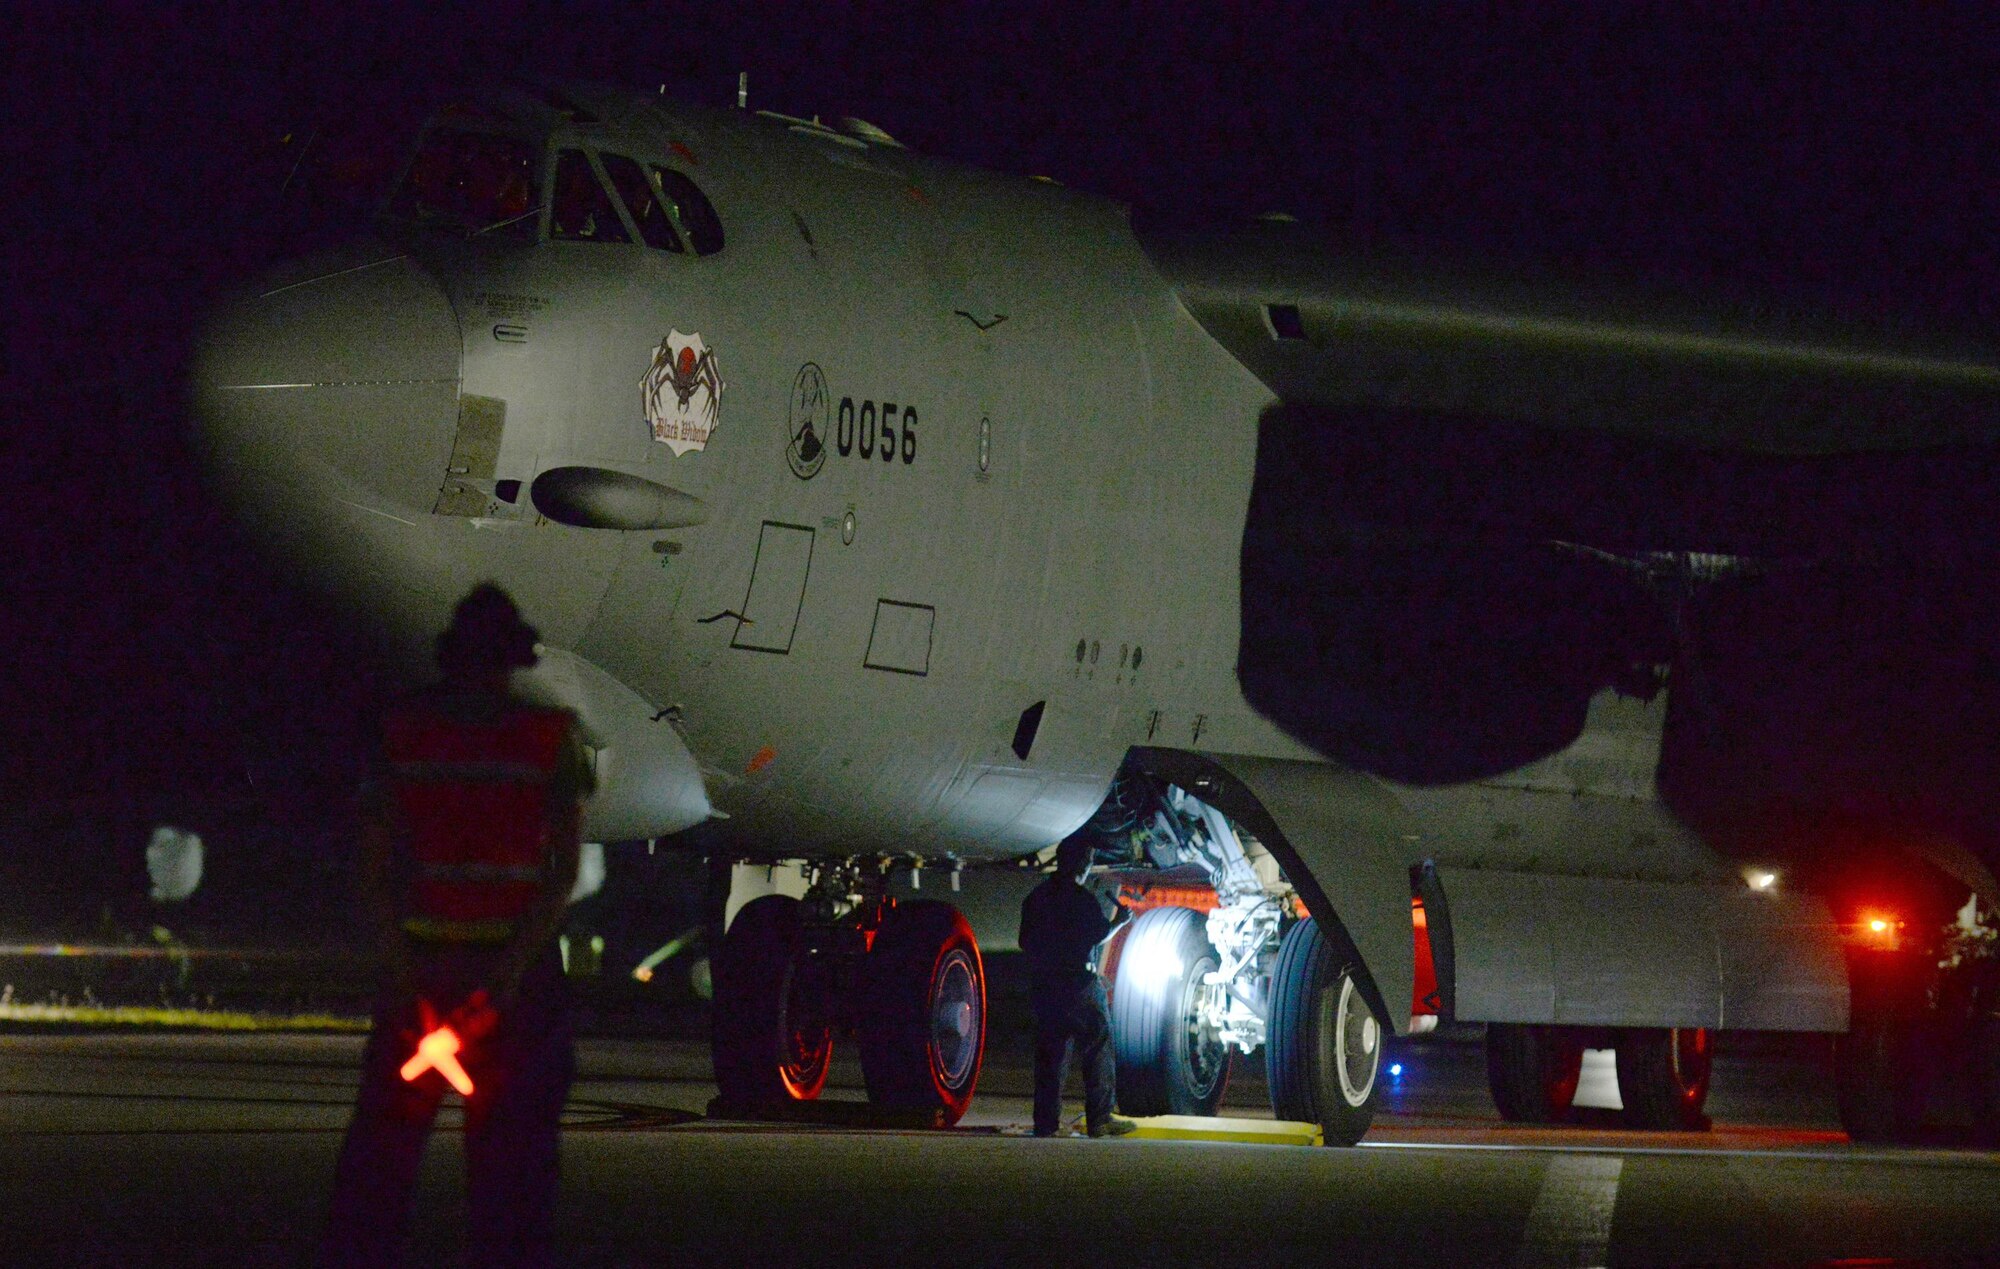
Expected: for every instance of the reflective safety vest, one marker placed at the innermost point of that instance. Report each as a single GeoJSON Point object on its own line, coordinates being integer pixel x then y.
{"type": "Point", "coordinates": [473, 797]}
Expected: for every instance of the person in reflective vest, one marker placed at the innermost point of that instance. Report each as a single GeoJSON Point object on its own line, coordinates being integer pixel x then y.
{"type": "Point", "coordinates": [469, 854]}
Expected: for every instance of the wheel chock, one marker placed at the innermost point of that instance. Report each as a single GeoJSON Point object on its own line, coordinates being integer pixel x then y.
{"type": "Point", "coordinates": [1256, 1132]}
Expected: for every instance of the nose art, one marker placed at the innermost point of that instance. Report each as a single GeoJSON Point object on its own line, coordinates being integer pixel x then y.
{"type": "Point", "coordinates": [332, 380]}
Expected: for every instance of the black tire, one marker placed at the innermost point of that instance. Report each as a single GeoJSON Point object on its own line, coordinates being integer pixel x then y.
{"type": "Point", "coordinates": [1323, 1046]}
{"type": "Point", "coordinates": [923, 1011]}
{"type": "Point", "coordinates": [1984, 1045]}
{"type": "Point", "coordinates": [772, 1034]}
{"type": "Point", "coordinates": [1164, 1066]}
{"type": "Point", "coordinates": [1663, 1076]}
{"type": "Point", "coordinates": [1879, 1077]}
{"type": "Point", "coordinates": [1533, 1070]}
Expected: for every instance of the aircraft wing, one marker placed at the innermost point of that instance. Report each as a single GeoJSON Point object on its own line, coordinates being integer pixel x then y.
{"type": "Point", "coordinates": [1345, 327]}
{"type": "Point", "coordinates": [1483, 498]}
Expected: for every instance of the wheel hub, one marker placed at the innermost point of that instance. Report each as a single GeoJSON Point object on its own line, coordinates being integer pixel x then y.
{"type": "Point", "coordinates": [1355, 1036]}
{"type": "Point", "coordinates": [954, 1020]}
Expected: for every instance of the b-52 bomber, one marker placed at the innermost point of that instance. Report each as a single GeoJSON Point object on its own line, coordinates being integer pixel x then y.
{"type": "Point", "coordinates": [891, 520]}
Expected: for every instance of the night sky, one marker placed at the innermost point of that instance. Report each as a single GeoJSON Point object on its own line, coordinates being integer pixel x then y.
{"type": "Point", "coordinates": [1843, 157]}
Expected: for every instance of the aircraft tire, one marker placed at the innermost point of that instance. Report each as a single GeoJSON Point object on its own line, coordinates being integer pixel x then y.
{"type": "Point", "coordinates": [1323, 1047]}
{"type": "Point", "coordinates": [772, 1036]}
{"type": "Point", "coordinates": [1164, 1068]}
{"type": "Point", "coordinates": [923, 1011]}
{"type": "Point", "coordinates": [1881, 1065]}
{"type": "Point", "coordinates": [1533, 1070]}
{"type": "Point", "coordinates": [1878, 1079]}
{"type": "Point", "coordinates": [1663, 1076]}
{"type": "Point", "coordinates": [1983, 1041]}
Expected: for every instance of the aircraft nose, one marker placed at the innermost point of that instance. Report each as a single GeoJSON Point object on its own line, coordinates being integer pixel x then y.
{"type": "Point", "coordinates": [332, 381]}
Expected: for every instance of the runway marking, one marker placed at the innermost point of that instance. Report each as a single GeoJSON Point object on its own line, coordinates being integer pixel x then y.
{"type": "Point", "coordinates": [1570, 1223]}
{"type": "Point", "coordinates": [151, 1016]}
{"type": "Point", "coordinates": [174, 952]}
{"type": "Point", "coordinates": [1833, 1153]}
{"type": "Point", "coordinates": [176, 1098]}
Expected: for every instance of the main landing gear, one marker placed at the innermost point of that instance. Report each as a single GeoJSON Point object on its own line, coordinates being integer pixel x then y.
{"type": "Point", "coordinates": [1882, 1066]}
{"type": "Point", "coordinates": [1171, 1025]}
{"type": "Point", "coordinates": [1663, 1072]}
{"type": "Point", "coordinates": [905, 978]}
{"type": "Point", "coordinates": [1220, 961]}
{"type": "Point", "coordinates": [1923, 1034]}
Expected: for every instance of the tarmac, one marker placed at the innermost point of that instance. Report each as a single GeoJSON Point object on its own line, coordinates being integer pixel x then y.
{"type": "Point", "coordinates": [149, 1148]}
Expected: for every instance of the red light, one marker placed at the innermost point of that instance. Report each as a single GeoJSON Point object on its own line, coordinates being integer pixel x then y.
{"type": "Point", "coordinates": [1879, 929]}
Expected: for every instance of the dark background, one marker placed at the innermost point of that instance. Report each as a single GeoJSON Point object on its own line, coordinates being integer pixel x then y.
{"type": "Point", "coordinates": [155, 668]}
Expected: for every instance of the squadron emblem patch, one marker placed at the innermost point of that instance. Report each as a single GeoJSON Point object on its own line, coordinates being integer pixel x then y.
{"type": "Point", "coordinates": [682, 392]}
{"type": "Point", "coordinates": [811, 410]}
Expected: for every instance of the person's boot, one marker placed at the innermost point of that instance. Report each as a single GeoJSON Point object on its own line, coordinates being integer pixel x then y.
{"type": "Point", "coordinates": [1112, 1128]}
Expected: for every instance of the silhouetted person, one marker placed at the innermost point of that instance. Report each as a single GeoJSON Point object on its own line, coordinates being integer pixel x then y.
{"type": "Point", "coordinates": [1061, 925]}
{"type": "Point", "coordinates": [469, 854]}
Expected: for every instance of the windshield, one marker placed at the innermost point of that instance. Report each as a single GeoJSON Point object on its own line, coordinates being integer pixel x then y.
{"type": "Point", "coordinates": [472, 181]}
{"type": "Point", "coordinates": [345, 166]}
{"type": "Point", "coordinates": [582, 210]}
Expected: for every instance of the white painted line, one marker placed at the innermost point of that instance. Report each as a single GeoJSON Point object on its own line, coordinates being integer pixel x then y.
{"type": "Point", "coordinates": [1570, 1224]}
{"type": "Point", "coordinates": [1835, 1153]}
{"type": "Point", "coordinates": [202, 1019]}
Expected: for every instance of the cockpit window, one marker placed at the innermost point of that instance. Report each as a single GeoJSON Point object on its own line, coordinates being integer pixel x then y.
{"type": "Point", "coordinates": [347, 165]}
{"type": "Point", "coordinates": [583, 211]}
{"type": "Point", "coordinates": [475, 181]}
{"type": "Point", "coordinates": [642, 200]}
{"type": "Point", "coordinates": [692, 209]}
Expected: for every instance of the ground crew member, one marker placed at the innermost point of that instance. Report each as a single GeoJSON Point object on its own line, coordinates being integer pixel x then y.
{"type": "Point", "coordinates": [469, 854]}
{"type": "Point", "coordinates": [1061, 925]}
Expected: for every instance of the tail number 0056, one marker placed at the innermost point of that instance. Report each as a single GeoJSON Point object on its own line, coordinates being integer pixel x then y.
{"type": "Point", "coordinates": [873, 429]}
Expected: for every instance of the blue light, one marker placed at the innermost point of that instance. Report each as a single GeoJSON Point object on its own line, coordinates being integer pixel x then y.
{"type": "Point", "coordinates": [1395, 1068]}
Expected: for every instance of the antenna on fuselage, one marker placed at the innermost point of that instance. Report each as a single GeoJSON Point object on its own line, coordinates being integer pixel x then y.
{"type": "Point", "coordinates": [742, 90]}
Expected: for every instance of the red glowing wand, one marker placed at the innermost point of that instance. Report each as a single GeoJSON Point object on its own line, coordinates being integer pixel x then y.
{"type": "Point", "coordinates": [439, 1048]}
{"type": "Point", "coordinates": [441, 1044]}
